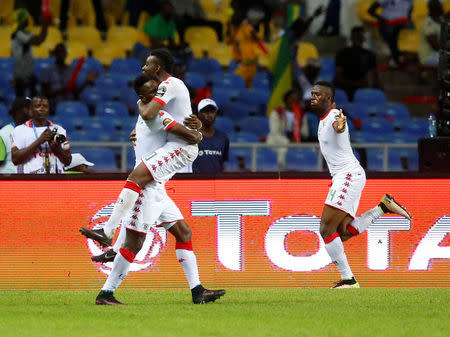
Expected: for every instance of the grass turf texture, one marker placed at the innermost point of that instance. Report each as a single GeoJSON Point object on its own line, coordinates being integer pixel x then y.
{"type": "Point", "coordinates": [249, 312]}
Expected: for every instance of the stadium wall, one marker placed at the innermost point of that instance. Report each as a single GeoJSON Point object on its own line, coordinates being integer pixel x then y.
{"type": "Point", "coordinates": [252, 231]}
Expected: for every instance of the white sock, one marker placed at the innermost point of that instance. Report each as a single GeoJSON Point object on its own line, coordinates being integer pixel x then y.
{"type": "Point", "coordinates": [364, 220]}
{"type": "Point", "coordinates": [335, 248]}
{"type": "Point", "coordinates": [120, 269]}
{"type": "Point", "coordinates": [188, 261]}
{"type": "Point", "coordinates": [120, 239]}
{"type": "Point", "coordinates": [125, 202]}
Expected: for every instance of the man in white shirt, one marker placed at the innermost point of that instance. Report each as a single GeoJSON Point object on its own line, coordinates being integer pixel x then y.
{"type": "Point", "coordinates": [430, 35]}
{"type": "Point", "coordinates": [20, 113]}
{"type": "Point", "coordinates": [339, 222]}
{"type": "Point", "coordinates": [38, 145]}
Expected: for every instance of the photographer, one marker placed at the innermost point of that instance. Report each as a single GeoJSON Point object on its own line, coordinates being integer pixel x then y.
{"type": "Point", "coordinates": [39, 146]}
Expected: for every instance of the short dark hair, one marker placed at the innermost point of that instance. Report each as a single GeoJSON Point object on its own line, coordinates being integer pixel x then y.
{"type": "Point", "coordinates": [140, 81]}
{"type": "Point", "coordinates": [165, 58]}
{"type": "Point", "coordinates": [287, 94]}
{"type": "Point", "coordinates": [18, 104]}
{"type": "Point", "coordinates": [328, 85]}
{"type": "Point", "coordinates": [39, 96]}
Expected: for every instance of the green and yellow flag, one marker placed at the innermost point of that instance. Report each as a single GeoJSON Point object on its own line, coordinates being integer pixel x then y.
{"type": "Point", "coordinates": [280, 62]}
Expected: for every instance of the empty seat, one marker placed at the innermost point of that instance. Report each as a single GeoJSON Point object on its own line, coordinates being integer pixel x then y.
{"type": "Point", "coordinates": [301, 160]}
{"type": "Point", "coordinates": [223, 96]}
{"type": "Point", "coordinates": [258, 97]}
{"type": "Point", "coordinates": [236, 111]}
{"type": "Point", "coordinates": [370, 96]}
{"type": "Point", "coordinates": [267, 160]}
{"type": "Point", "coordinates": [257, 124]}
{"type": "Point", "coordinates": [229, 80]}
{"type": "Point", "coordinates": [244, 137]}
{"type": "Point", "coordinates": [224, 124]}
{"type": "Point", "coordinates": [340, 96]}
{"type": "Point", "coordinates": [92, 95]}
{"type": "Point", "coordinates": [195, 80]}
{"type": "Point", "coordinates": [71, 109]}
{"type": "Point", "coordinates": [204, 65]}
{"type": "Point", "coordinates": [126, 66]}
{"type": "Point", "coordinates": [261, 81]}
{"type": "Point", "coordinates": [103, 158]}
{"type": "Point", "coordinates": [111, 110]}
{"type": "Point", "coordinates": [374, 159]}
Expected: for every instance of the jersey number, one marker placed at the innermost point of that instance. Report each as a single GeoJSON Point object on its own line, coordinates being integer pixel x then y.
{"type": "Point", "coordinates": [331, 194]}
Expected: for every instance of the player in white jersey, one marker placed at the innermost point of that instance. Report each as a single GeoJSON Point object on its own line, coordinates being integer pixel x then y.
{"type": "Point", "coordinates": [154, 207]}
{"type": "Point", "coordinates": [339, 222]}
{"type": "Point", "coordinates": [175, 155]}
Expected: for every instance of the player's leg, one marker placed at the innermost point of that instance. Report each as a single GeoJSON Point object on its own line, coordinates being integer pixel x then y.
{"type": "Point", "coordinates": [133, 244]}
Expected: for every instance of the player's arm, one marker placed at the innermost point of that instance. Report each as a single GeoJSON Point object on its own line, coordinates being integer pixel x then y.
{"type": "Point", "coordinates": [190, 136]}
{"type": "Point", "coordinates": [20, 156]}
{"type": "Point", "coordinates": [339, 123]}
{"type": "Point", "coordinates": [150, 110]}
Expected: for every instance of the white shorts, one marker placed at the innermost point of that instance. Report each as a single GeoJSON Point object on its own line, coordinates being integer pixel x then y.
{"type": "Point", "coordinates": [153, 208]}
{"type": "Point", "coordinates": [345, 192]}
{"type": "Point", "coordinates": [169, 159]}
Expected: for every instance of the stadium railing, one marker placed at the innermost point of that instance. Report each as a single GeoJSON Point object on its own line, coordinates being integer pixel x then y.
{"type": "Point", "coordinates": [126, 146]}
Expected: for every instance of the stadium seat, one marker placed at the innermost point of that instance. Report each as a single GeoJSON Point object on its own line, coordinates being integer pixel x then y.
{"type": "Point", "coordinates": [419, 12]}
{"type": "Point", "coordinates": [397, 111]}
{"type": "Point", "coordinates": [194, 80]}
{"type": "Point", "coordinates": [224, 96]}
{"type": "Point", "coordinates": [202, 34]}
{"type": "Point", "coordinates": [374, 159]}
{"type": "Point", "coordinates": [204, 65]}
{"type": "Point", "coordinates": [409, 40]}
{"type": "Point", "coordinates": [327, 69]}
{"type": "Point", "coordinates": [417, 127]}
{"type": "Point", "coordinates": [90, 65]}
{"type": "Point", "coordinates": [76, 50]}
{"type": "Point", "coordinates": [81, 12]}
{"type": "Point", "coordinates": [245, 137]}
{"type": "Point", "coordinates": [370, 96]}
{"type": "Point", "coordinates": [256, 124]}
{"type": "Point", "coordinates": [267, 160]}
{"type": "Point", "coordinates": [340, 96]}
{"type": "Point", "coordinates": [398, 159]}
{"type": "Point", "coordinates": [129, 97]}
{"type": "Point", "coordinates": [236, 111]}
{"type": "Point", "coordinates": [258, 97]}
{"type": "Point", "coordinates": [92, 95]}
{"type": "Point", "coordinates": [126, 66]}
{"type": "Point", "coordinates": [71, 109]}
{"type": "Point", "coordinates": [261, 81]}
{"type": "Point", "coordinates": [224, 124]}
{"type": "Point", "coordinates": [301, 160]}
{"type": "Point", "coordinates": [305, 51]}
{"type": "Point", "coordinates": [221, 52]}
{"type": "Point", "coordinates": [111, 81]}
{"type": "Point", "coordinates": [229, 80]}
{"type": "Point", "coordinates": [313, 123]}
{"type": "Point", "coordinates": [362, 9]}
{"type": "Point", "coordinates": [379, 126]}
{"type": "Point", "coordinates": [103, 158]}
{"type": "Point", "coordinates": [111, 110]}
{"type": "Point", "coordinates": [356, 110]}
{"type": "Point", "coordinates": [42, 63]}
{"type": "Point", "coordinates": [3, 111]}
{"type": "Point", "coordinates": [107, 52]}
{"type": "Point", "coordinates": [127, 36]}
{"type": "Point", "coordinates": [89, 36]}
{"type": "Point", "coordinates": [232, 164]}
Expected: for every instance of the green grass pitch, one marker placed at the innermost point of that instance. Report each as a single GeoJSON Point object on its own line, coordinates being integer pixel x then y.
{"type": "Point", "coordinates": [242, 312]}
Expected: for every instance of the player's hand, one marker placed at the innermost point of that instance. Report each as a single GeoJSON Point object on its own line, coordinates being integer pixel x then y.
{"type": "Point", "coordinates": [193, 122]}
{"type": "Point", "coordinates": [133, 137]}
{"type": "Point", "coordinates": [46, 136]}
{"type": "Point", "coordinates": [341, 121]}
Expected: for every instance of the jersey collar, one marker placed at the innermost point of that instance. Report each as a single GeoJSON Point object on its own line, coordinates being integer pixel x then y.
{"type": "Point", "coordinates": [30, 125]}
{"type": "Point", "coordinates": [325, 116]}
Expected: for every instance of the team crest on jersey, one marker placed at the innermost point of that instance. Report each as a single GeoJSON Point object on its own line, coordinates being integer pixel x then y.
{"type": "Point", "coordinates": [166, 121]}
{"type": "Point", "coordinates": [161, 91]}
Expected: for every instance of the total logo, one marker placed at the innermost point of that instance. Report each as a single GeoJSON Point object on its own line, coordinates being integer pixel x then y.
{"type": "Point", "coordinates": [154, 243]}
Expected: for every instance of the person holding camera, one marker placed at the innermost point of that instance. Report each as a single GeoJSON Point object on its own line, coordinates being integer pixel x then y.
{"type": "Point", "coordinates": [38, 145]}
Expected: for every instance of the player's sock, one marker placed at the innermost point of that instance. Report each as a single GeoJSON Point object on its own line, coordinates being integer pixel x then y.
{"type": "Point", "coordinates": [335, 248]}
{"type": "Point", "coordinates": [186, 257]}
{"type": "Point", "coordinates": [120, 239]}
{"type": "Point", "coordinates": [125, 202]}
{"type": "Point", "coordinates": [120, 269]}
{"type": "Point", "coordinates": [360, 224]}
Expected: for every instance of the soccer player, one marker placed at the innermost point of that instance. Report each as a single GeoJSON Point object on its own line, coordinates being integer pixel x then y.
{"type": "Point", "coordinates": [154, 206]}
{"type": "Point", "coordinates": [338, 221]}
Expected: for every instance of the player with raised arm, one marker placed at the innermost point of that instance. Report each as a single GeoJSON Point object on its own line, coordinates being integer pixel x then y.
{"type": "Point", "coordinates": [338, 222]}
{"type": "Point", "coordinates": [154, 207]}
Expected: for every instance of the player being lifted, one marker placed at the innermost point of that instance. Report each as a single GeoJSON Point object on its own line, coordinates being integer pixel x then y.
{"type": "Point", "coordinates": [338, 222]}
{"type": "Point", "coordinates": [156, 168]}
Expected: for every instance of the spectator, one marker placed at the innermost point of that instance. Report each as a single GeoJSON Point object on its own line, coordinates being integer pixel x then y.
{"type": "Point", "coordinates": [100, 21]}
{"type": "Point", "coordinates": [79, 164]}
{"type": "Point", "coordinates": [58, 81]}
{"type": "Point", "coordinates": [395, 14]}
{"type": "Point", "coordinates": [243, 38]}
{"type": "Point", "coordinates": [21, 41]}
{"type": "Point", "coordinates": [161, 28]}
{"type": "Point", "coordinates": [356, 66]}
{"type": "Point", "coordinates": [430, 35]}
{"type": "Point", "coordinates": [309, 75]}
{"type": "Point", "coordinates": [202, 93]}
{"type": "Point", "coordinates": [284, 124]}
{"type": "Point", "coordinates": [190, 13]}
{"type": "Point", "coordinates": [214, 147]}
{"type": "Point", "coordinates": [331, 24]}
{"type": "Point", "coordinates": [38, 145]}
{"type": "Point", "coordinates": [20, 113]}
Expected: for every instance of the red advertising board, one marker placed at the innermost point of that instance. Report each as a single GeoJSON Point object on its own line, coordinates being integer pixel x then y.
{"type": "Point", "coordinates": [246, 233]}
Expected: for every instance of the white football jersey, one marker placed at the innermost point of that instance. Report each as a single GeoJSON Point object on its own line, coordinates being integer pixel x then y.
{"type": "Point", "coordinates": [152, 134]}
{"type": "Point", "coordinates": [335, 147]}
{"type": "Point", "coordinates": [174, 96]}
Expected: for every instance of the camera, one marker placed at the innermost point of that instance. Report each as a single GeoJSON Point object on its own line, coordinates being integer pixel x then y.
{"type": "Point", "coordinates": [58, 137]}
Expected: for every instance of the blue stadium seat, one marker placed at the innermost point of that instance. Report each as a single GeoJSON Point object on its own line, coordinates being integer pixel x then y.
{"type": "Point", "coordinates": [257, 97]}
{"type": "Point", "coordinates": [236, 111]}
{"type": "Point", "coordinates": [71, 109]}
{"type": "Point", "coordinates": [365, 137]}
{"type": "Point", "coordinates": [356, 110]}
{"type": "Point", "coordinates": [129, 98]}
{"type": "Point", "coordinates": [313, 123]}
{"type": "Point", "coordinates": [301, 160]}
{"type": "Point", "coordinates": [204, 65]}
{"type": "Point", "coordinates": [232, 164]}
{"type": "Point", "coordinates": [340, 97]}
{"type": "Point", "coordinates": [92, 96]}
{"type": "Point", "coordinates": [232, 66]}
{"type": "Point", "coordinates": [229, 80]}
{"type": "Point", "coordinates": [128, 65]}
{"type": "Point", "coordinates": [256, 124]}
{"type": "Point", "coordinates": [3, 111]}
{"type": "Point", "coordinates": [223, 96]}
{"type": "Point", "coordinates": [267, 160]}
{"type": "Point", "coordinates": [379, 126]}
{"type": "Point", "coordinates": [374, 159]}
{"type": "Point", "coordinates": [90, 65]}
{"type": "Point", "coordinates": [398, 111]}
{"type": "Point", "coordinates": [195, 80]}
{"type": "Point", "coordinates": [243, 152]}
{"type": "Point", "coordinates": [224, 124]}
{"type": "Point", "coordinates": [327, 69]}
{"type": "Point", "coordinates": [131, 159]}
{"type": "Point", "coordinates": [398, 159]}
{"type": "Point", "coordinates": [417, 127]}
{"type": "Point", "coordinates": [244, 137]}
{"type": "Point", "coordinates": [111, 110]}
{"type": "Point", "coordinates": [42, 63]}
{"type": "Point", "coordinates": [370, 96]}
{"type": "Point", "coordinates": [111, 81]}
{"type": "Point", "coordinates": [109, 125]}
{"type": "Point", "coordinates": [261, 81]}
{"type": "Point", "coordinates": [103, 158]}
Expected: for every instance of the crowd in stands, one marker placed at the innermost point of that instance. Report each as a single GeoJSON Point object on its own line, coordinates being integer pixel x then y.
{"type": "Point", "coordinates": [85, 58]}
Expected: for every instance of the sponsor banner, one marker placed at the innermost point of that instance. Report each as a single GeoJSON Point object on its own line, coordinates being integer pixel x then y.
{"type": "Point", "coordinates": [246, 233]}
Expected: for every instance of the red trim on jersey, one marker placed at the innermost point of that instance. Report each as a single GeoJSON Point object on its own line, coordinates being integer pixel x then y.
{"type": "Point", "coordinates": [331, 238]}
{"type": "Point", "coordinates": [352, 230]}
{"type": "Point", "coordinates": [187, 245]}
{"type": "Point", "coordinates": [159, 101]}
{"type": "Point", "coordinates": [129, 256]}
{"type": "Point", "coordinates": [392, 22]}
{"type": "Point", "coordinates": [168, 76]}
{"type": "Point", "coordinates": [133, 230]}
{"type": "Point", "coordinates": [171, 125]}
{"type": "Point", "coordinates": [148, 169]}
{"type": "Point", "coordinates": [322, 118]}
{"type": "Point", "coordinates": [132, 186]}
{"type": "Point", "coordinates": [28, 123]}
{"type": "Point", "coordinates": [162, 223]}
